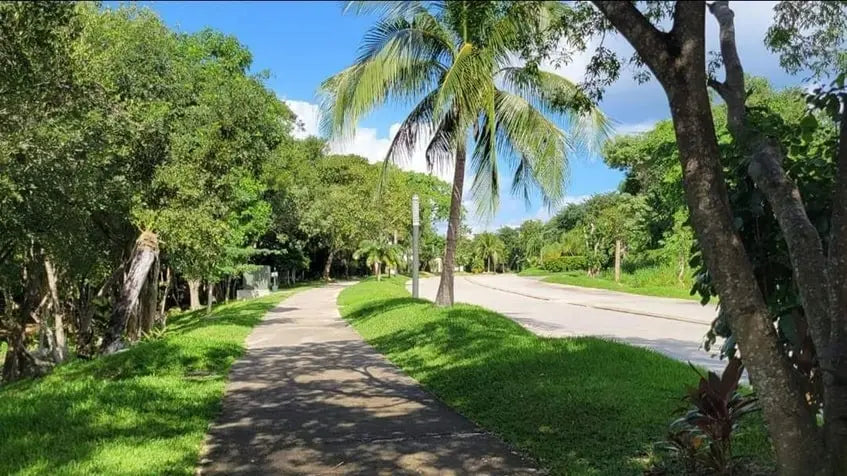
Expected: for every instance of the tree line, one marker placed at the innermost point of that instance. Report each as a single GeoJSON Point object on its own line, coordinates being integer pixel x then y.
{"type": "Point", "coordinates": [139, 165]}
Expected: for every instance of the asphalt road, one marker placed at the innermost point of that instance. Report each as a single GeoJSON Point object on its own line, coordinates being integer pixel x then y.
{"type": "Point", "coordinates": [673, 327]}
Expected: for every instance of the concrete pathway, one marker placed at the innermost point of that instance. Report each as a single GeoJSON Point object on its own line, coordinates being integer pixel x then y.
{"type": "Point", "coordinates": [674, 327]}
{"type": "Point", "coordinates": [310, 397]}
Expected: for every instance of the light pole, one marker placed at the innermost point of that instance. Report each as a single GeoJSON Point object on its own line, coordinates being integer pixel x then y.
{"type": "Point", "coordinates": [416, 231]}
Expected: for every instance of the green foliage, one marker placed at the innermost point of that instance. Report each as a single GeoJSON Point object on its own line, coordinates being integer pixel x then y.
{"type": "Point", "coordinates": [648, 281]}
{"type": "Point", "coordinates": [142, 411]}
{"type": "Point", "coordinates": [702, 439]}
{"type": "Point", "coordinates": [604, 402]}
{"type": "Point", "coordinates": [566, 263]}
{"type": "Point", "coordinates": [489, 249]}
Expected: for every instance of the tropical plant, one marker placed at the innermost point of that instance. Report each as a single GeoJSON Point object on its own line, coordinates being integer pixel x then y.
{"type": "Point", "coordinates": [455, 60]}
{"type": "Point", "coordinates": [490, 249]}
{"type": "Point", "coordinates": [377, 253]}
{"type": "Point", "coordinates": [703, 436]}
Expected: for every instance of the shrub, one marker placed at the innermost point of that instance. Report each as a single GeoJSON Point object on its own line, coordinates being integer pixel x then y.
{"type": "Point", "coordinates": [701, 440]}
{"type": "Point", "coordinates": [566, 263]}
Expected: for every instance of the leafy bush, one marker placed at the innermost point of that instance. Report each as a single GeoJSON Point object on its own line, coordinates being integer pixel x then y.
{"type": "Point", "coordinates": [701, 440]}
{"type": "Point", "coordinates": [566, 263]}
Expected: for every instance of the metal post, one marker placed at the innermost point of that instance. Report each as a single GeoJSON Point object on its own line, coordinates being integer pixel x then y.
{"type": "Point", "coordinates": [416, 231]}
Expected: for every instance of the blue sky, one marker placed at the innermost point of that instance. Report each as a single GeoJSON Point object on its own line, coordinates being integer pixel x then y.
{"type": "Point", "coordinates": [302, 43]}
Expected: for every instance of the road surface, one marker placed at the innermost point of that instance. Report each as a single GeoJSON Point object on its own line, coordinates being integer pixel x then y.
{"type": "Point", "coordinates": [673, 327]}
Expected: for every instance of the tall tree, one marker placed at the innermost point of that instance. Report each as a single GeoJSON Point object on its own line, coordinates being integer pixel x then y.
{"type": "Point", "coordinates": [455, 60]}
{"type": "Point", "coordinates": [489, 248]}
{"type": "Point", "coordinates": [676, 56]}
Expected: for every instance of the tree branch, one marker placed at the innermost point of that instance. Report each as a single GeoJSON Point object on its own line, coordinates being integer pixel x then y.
{"type": "Point", "coordinates": [650, 43]}
{"type": "Point", "coordinates": [766, 157]}
{"type": "Point", "coordinates": [732, 89]}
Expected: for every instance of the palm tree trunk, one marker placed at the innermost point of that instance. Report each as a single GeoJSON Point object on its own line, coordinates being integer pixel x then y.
{"type": "Point", "coordinates": [445, 286]}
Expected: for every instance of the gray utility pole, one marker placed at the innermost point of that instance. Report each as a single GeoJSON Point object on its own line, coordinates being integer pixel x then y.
{"type": "Point", "coordinates": [416, 234]}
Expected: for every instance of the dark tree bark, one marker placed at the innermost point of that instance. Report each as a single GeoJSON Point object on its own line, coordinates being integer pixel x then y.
{"type": "Point", "coordinates": [677, 58]}
{"type": "Point", "coordinates": [19, 362]}
{"type": "Point", "coordinates": [146, 253]}
{"type": "Point", "coordinates": [445, 286]}
{"type": "Point", "coordinates": [148, 312]}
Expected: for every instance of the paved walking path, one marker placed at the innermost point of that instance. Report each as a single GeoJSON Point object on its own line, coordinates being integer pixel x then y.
{"type": "Point", "coordinates": [310, 397]}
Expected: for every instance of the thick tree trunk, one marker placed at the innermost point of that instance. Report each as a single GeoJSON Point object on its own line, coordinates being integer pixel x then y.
{"type": "Point", "coordinates": [19, 362]}
{"type": "Point", "coordinates": [618, 251]}
{"type": "Point", "coordinates": [376, 271]}
{"type": "Point", "coordinates": [677, 59]}
{"type": "Point", "coordinates": [145, 254]}
{"type": "Point", "coordinates": [328, 265]}
{"type": "Point", "coordinates": [445, 286]}
{"type": "Point", "coordinates": [148, 313]}
{"type": "Point", "coordinates": [59, 341]}
{"type": "Point", "coordinates": [834, 358]}
{"type": "Point", "coordinates": [210, 296]}
{"type": "Point", "coordinates": [194, 294]}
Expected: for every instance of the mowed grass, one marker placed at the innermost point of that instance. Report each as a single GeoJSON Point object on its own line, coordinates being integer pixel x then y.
{"type": "Point", "coordinates": [648, 282]}
{"type": "Point", "coordinates": [579, 406]}
{"type": "Point", "coordinates": [141, 411]}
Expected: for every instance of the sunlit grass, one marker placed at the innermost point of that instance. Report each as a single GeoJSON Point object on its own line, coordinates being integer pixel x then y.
{"type": "Point", "coordinates": [659, 282]}
{"type": "Point", "coordinates": [580, 406]}
{"type": "Point", "coordinates": [141, 411]}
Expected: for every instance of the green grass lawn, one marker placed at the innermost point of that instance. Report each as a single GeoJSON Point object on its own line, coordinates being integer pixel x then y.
{"type": "Point", "coordinates": [580, 406]}
{"type": "Point", "coordinates": [644, 282]}
{"type": "Point", "coordinates": [141, 411]}
{"type": "Point", "coordinates": [534, 272]}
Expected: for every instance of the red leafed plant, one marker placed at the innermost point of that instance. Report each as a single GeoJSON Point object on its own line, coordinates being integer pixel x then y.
{"type": "Point", "coordinates": [702, 438]}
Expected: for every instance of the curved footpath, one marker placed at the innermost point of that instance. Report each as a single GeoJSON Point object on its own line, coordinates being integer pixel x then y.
{"type": "Point", "coordinates": [311, 397]}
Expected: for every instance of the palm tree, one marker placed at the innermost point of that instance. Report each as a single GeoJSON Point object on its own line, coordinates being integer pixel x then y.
{"type": "Point", "coordinates": [490, 248]}
{"type": "Point", "coordinates": [456, 62]}
{"type": "Point", "coordinates": [378, 252]}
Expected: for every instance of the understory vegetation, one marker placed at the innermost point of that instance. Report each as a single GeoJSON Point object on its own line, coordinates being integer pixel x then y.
{"type": "Point", "coordinates": [646, 281]}
{"type": "Point", "coordinates": [141, 411]}
{"type": "Point", "coordinates": [579, 406]}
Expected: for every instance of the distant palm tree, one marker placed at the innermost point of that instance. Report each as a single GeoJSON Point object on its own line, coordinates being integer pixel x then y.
{"type": "Point", "coordinates": [490, 248]}
{"type": "Point", "coordinates": [456, 61]}
{"type": "Point", "coordinates": [378, 252]}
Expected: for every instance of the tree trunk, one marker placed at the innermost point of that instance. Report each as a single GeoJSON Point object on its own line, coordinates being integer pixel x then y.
{"type": "Point", "coordinates": [227, 287]}
{"type": "Point", "coordinates": [445, 286]}
{"type": "Point", "coordinates": [210, 296]}
{"type": "Point", "coordinates": [677, 58]}
{"type": "Point", "coordinates": [618, 247]}
{"type": "Point", "coordinates": [376, 271]}
{"type": "Point", "coordinates": [19, 362]}
{"type": "Point", "coordinates": [60, 344]}
{"type": "Point", "coordinates": [146, 253]}
{"type": "Point", "coordinates": [148, 313]}
{"type": "Point", "coordinates": [834, 358]}
{"type": "Point", "coordinates": [194, 294]}
{"type": "Point", "coordinates": [328, 265]}
{"type": "Point", "coordinates": [162, 316]}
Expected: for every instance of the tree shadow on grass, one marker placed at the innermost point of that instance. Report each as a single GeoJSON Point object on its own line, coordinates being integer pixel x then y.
{"type": "Point", "coordinates": [140, 411]}
{"type": "Point", "coordinates": [581, 405]}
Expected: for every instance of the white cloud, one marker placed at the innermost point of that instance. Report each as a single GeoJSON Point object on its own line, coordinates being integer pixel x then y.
{"type": "Point", "coordinates": [634, 127]}
{"type": "Point", "coordinates": [308, 118]}
{"type": "Point", "coordinates": [365, 141]}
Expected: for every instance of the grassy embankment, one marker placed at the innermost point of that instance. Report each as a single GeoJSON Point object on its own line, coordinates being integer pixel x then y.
{"type": "Point", "coordinates": [141, 411]}
{"type": "Point", "coordinates": [661, 282]}
{"type": "Point", "coordinates": [580, 406]}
